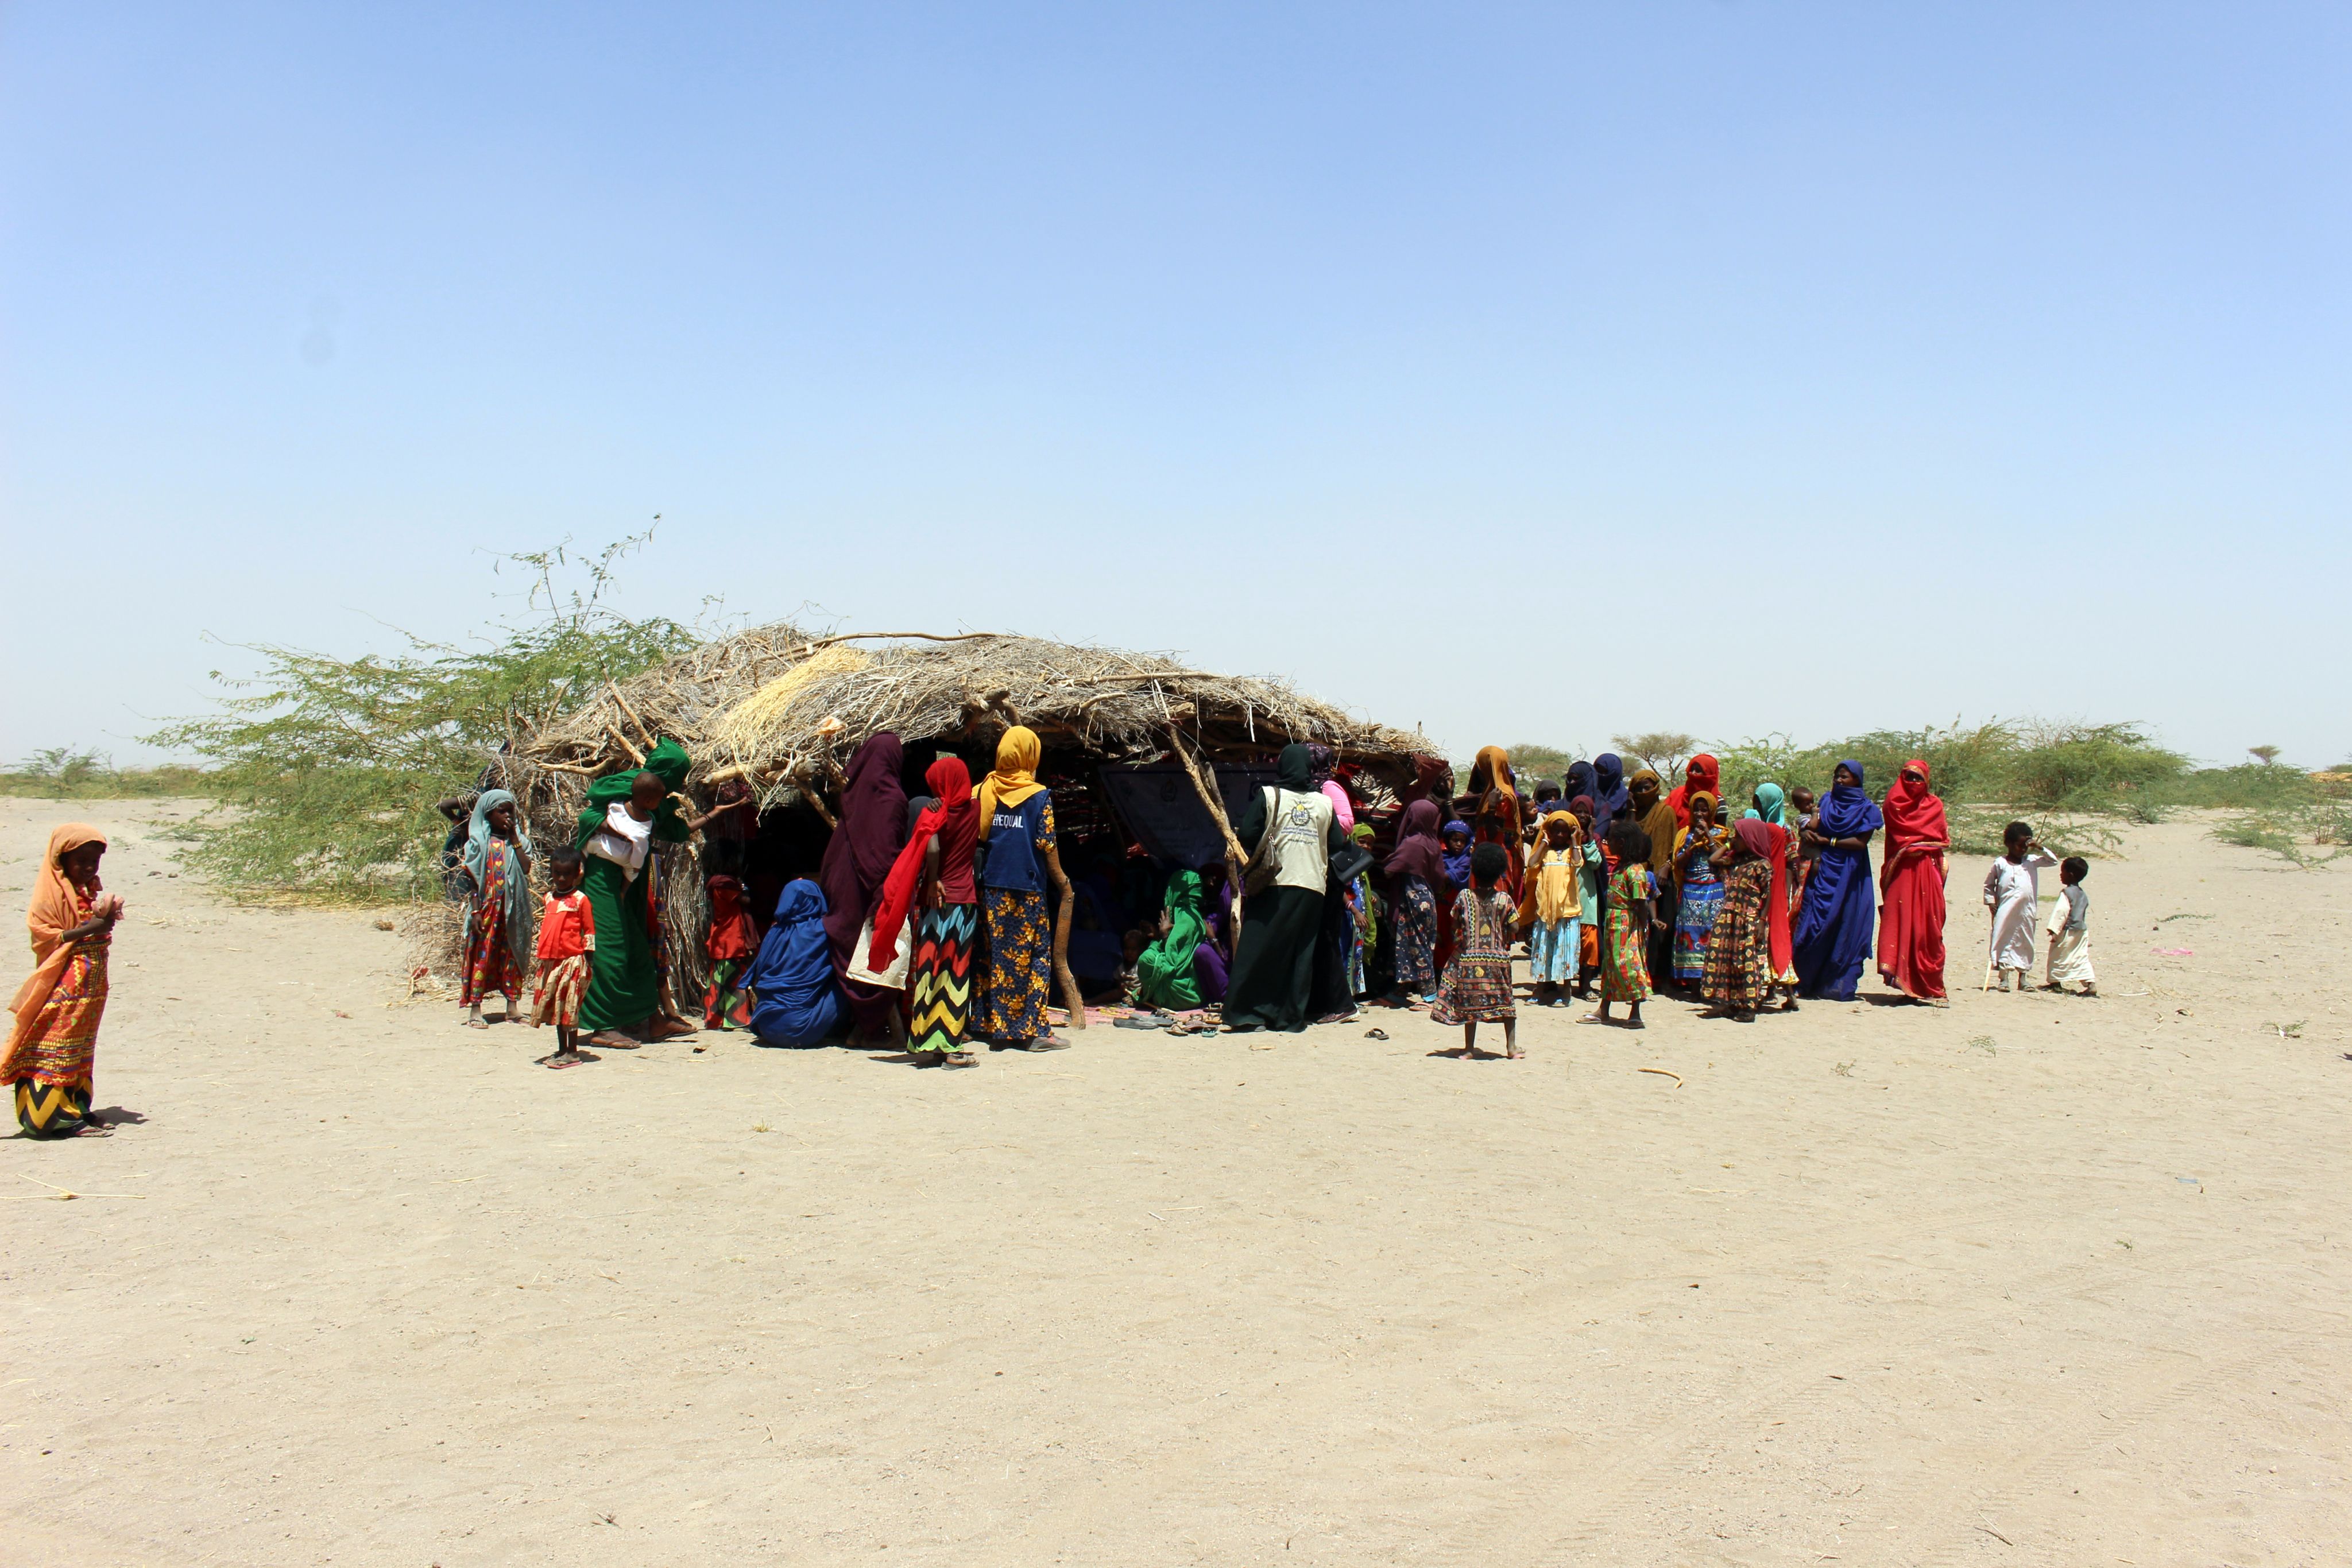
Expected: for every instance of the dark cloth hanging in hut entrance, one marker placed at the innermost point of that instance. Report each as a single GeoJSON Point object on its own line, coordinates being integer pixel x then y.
{"type": "Point", "coordinates": [1164, 812]}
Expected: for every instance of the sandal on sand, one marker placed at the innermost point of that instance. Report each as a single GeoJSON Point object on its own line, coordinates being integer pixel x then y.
{"type": "Point", "coordinates": [614, 1042]}
{"type": "Point", "coordinates": [958, 1058]}
{"type": "Point", "coordinates": [1140, 1023]}
{"type": "Point", "coordinates": [927, 1058]}
{"type": "Point", "coordinates": [1047, 1042]}
{"type": "Point", "coordinates": [1376, 1034]}
{"type": "Point", "coordinates": [556, 1062]}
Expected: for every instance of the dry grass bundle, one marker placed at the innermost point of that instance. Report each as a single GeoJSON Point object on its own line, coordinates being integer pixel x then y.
{"type": "Point", "coordinates": [769, 709]}
{"type": "Point", "coordinates": [762, 705]}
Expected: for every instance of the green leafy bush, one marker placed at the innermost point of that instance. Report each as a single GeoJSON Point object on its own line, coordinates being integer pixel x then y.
{"type": "Point", "coordinates": [326, 769]}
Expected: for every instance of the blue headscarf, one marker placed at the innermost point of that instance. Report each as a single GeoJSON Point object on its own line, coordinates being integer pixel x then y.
{"type": "Point", "coordinates": [1611, 798]}
{"type": "Point", "coordinates": [479, 840]}
{"type": "Point", "coordinates": [1457, 866]}
{"type": "Point", "coordinates": [514, 902]}
{"type": "Point", "coordinates": [1581, 781]}
{"type": "Point", "coordinates": [1847, 810]}
{"type": "Point", "coordinates": [1775, 801]}
{"type": "Point", "coordinates": [791, 978]}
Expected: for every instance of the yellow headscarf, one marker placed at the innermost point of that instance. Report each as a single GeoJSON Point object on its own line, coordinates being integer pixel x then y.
{"type": "Point", "coordinates": [1551, 892]}
{"type": "Point", "coordinates": [1015, 777]}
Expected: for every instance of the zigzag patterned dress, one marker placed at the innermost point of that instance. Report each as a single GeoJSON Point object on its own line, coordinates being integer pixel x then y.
{"type": "Point", "coordinates": [941, 982]}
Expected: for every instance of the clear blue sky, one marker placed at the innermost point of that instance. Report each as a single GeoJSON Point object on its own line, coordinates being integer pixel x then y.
{"type": "Point", "coordinates": [1528, 373]}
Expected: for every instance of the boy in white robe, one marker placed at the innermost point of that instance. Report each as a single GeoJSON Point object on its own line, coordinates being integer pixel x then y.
{"type": "Point", "coordinates": [2069, 930]}
{"type": "Point", "coordinates": [2013, 891]}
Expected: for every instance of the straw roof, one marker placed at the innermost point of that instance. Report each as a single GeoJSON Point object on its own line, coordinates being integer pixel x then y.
{"type": "Point", "coordinates": [775, 706]}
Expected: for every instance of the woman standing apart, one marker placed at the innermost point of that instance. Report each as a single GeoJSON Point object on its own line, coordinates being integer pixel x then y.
{"type": "Point", "coordinates": [1911, 886]}
{"type": "Point", "coordinates": [1833, 936]}
{"type": "Point", "coordinates": [53, 1049]}
{"type": "Point", "coordinates": [498, 936]}
{"type": "Point", "coordinates": [1015, 824]}
{"type": "Point", "coordinates": [1416, 870]}
{"type": "Point", "coordinates": [856, 861]}
{"type": "Point", "coordinates": [1293, 834]}
{"type": "Point", "coordinates": [934, 874]}
{"type": "Point", "coordinates": [625, 813]}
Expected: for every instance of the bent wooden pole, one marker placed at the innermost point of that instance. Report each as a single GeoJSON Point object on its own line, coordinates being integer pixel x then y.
{"type": "Point", "coordinates": [1073, 1000]}
{"type": "Point", "coordinates": [1235, 858]}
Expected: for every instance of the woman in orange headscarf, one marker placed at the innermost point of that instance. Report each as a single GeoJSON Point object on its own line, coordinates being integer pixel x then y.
{"type": "Point", "coordinates": [1911, 888]}
{"type": "Point", "coordinates": [55, 1040]}
{"type": "Point", "coordinates": [1492, 810]}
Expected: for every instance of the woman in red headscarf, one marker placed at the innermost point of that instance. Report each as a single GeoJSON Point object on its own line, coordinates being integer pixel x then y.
{"type": "Point", "coordinates": [933, 881]}
{"type": "Point", "coordinates": [1701, 774]}
{"type": "Point", "coordinates": [1911, 888]}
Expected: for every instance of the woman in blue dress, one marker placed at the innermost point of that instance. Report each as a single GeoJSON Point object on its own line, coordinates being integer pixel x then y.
{"type": "Point", "coordinates": [1833, 936]}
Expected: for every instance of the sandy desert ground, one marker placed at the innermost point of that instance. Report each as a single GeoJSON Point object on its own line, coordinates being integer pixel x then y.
{"type": "Point", "coordinates": [2029, 1280]}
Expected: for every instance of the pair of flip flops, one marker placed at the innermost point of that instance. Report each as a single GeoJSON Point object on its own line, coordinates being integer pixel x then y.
{"type": "Point", "coordinates": [558, 1062]}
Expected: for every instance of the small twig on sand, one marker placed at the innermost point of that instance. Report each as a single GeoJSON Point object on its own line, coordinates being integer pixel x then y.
{"type": "Point", "coordinates": [61, 1193]}
{"type": "Point", "coordinates": [1997, 1535]}
{"type": "Point", "coordinates": [1663, 1073]}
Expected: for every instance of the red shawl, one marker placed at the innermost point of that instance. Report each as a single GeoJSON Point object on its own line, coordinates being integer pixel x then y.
{"type": "Point", "coordinates": [954, 816]}
{"type": "Point", "coordinates": [731, 935]}
{"type": "Point", "coordinates": [1913, 815]}
{"type": "Point", "coordinates": [1777, 901]}
{"type": "Point", "coordinates": [1701, 775]}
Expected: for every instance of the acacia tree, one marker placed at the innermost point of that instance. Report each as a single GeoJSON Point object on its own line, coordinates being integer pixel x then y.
{"type": "Point", "coordinates": [326, 769]}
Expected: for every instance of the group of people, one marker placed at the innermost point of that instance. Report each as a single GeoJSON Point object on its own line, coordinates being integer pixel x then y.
{"type": "Point", "coordinates": [929, 922]}
{"type": "Point", "coordinates": [928, 925]}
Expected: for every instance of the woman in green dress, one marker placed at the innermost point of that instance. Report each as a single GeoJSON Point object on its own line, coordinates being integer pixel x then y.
{"type": "Point", "coordinates": [1163, 971]}
{"type": "Point", "coordinates": [625, 813]}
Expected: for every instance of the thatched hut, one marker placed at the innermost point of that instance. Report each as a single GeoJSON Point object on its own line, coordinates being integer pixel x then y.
{"type": "Point", "coordinates": [784, 710]}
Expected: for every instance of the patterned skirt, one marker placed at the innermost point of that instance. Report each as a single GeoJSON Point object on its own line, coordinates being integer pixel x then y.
{"type": "Point", "coordinates": [1416, 938]}
{"type": "Point", "coordinates": [1475, 991]}
{"type": "Point", "coordinates": [1701, 900]}
{"type": "Point", "coordinates": [555, 999]}
{"type": "Point", "coordinates": [1740, 950]}
{"type": "Point", "coordinates": [489, 957]}
{"type": "Point", "coordinates": [1016, 979]}
{"type": "Point", "coordinates": [941, 978]}
{"type": "Point", "coordinates": [57, 1065]}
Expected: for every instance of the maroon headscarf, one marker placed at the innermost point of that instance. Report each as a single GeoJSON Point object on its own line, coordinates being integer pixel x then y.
{"type": "Point", "coordinates": [858, 860]}
{"type": "Point", "coordinates": [1755, 836]}
{"type": "Point", "coordinates": [1419, 851]}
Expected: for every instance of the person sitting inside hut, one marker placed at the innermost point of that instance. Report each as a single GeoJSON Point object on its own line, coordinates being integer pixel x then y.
{"type": "Point", "coordinates": [625, 814]}
{"type": "Point", "coordinates": [726, 949]}
{"type": "Point", "coordinates": [1292, 832]}
{"type": "Point", "coordinates": [1165, 971]}
{"type": "Point", "coordinates": [792, 979]}
{"type": "Point", "coordinates": [1017, 850]}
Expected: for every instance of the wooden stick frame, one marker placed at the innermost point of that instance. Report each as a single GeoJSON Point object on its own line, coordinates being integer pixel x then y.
{"type": "Point", "coordinates": [1202, 776]}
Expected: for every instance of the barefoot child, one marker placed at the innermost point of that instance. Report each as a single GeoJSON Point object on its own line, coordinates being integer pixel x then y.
{"type": "Point", "coordinates": [498, 928]}
{"type": "Point", "coordinates": [2013, 891]}
{"type": "Point", "coordinates": [1625, 934]}
{"type": "Point", "coordinates": [567, 935]}
{"type": "Point", "coordinates": [1477, 984]}
{"type": "Point", "coordinates": [1552, 910]}
{"type": "Point", "coordinates": [2069, 930]}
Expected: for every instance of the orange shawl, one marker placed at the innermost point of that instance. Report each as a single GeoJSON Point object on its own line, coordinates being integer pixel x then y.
{"type": "Point", "coordinates": [51, 913]}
